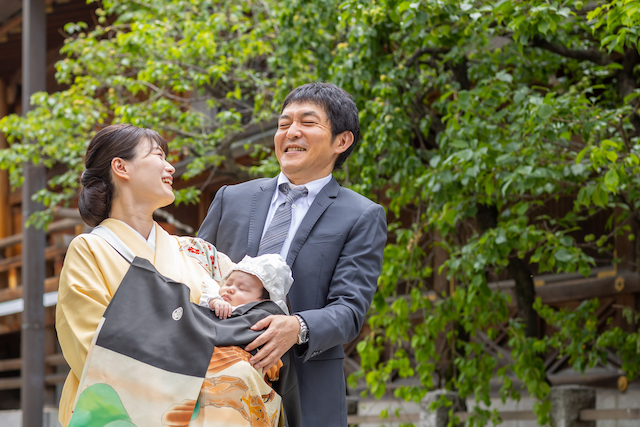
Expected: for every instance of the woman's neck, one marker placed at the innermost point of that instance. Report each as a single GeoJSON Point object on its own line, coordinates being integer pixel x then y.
{"type": "Point", "coordinates": [134, 215]}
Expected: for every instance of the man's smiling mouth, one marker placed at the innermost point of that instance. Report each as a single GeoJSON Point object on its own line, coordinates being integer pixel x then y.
{"type": "Point", "coordinates": [294, 149]}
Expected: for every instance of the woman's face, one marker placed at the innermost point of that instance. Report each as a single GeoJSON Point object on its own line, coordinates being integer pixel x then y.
{"type": "Point", "coordinates": [151, 175]}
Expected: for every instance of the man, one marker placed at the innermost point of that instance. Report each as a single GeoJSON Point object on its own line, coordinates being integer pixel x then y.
{"type": "Point", "coordinates": [332, 237]}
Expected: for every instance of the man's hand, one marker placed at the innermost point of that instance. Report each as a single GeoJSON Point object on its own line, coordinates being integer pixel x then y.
{"type": "Point", "coordinates": [222, 308]}
{"type": "Point", "coordinates": [280, 335]}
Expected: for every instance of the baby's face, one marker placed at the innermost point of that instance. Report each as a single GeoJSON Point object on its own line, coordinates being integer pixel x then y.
{"type": "Point", "coordinates": [241, 288]}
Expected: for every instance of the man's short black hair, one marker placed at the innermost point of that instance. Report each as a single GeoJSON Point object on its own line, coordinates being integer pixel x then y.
{"type": "Point", "coordinates": [338, 106]}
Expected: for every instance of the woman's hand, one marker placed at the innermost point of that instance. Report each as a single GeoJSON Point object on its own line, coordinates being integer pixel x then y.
{"type": "Point", "coordinates": [220, 307]}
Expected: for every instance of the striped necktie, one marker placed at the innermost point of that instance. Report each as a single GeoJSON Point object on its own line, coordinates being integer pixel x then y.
{"type": "Point", "coordinates": [278, 230]}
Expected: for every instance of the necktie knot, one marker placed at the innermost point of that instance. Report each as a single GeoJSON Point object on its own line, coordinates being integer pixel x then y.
{"type": "Point", "coordinates": [293, 193]}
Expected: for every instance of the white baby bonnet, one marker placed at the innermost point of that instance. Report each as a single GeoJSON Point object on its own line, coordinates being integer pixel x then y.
{"type": "Point", "coordinates": [273, 272]}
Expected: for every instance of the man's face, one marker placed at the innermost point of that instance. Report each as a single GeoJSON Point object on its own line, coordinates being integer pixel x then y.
{"type": "Point", "coordinates": [304, 146]}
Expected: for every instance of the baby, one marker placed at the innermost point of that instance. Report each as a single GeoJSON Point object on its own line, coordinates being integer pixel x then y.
{"type": "Point", "coordinates": [266, 277]}
{"type": "Point", "coordinates": [249, 283]}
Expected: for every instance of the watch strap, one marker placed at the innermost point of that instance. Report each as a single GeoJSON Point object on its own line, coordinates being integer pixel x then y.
{"type": "Point", "coordinates": [303, 335]}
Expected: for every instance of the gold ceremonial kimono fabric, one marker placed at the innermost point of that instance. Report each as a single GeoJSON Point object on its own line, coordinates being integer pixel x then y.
{"type": "Point", "coordinates": [91, 274]}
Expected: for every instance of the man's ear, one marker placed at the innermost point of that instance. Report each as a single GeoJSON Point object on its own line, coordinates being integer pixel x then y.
{"type": "Point", "coordinates": [343, 142]}
{"type": "Point", "coordinates": [119, 168]}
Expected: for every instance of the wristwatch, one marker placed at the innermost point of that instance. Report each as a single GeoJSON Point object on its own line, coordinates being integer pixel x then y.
{"type": "Point", "coordinates": [303, 335]}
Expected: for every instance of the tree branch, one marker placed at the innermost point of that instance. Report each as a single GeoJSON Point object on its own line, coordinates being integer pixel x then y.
{"type": "Point", "coordinates": [593, 55]}
{"type": "Point", "coordinates": [459, 70]}
{"type": "Point", "coordinates": [425, 50]}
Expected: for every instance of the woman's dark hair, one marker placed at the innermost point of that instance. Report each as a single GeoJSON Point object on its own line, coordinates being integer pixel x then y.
{"type": "Point", "coordinates": [339, 107]}
{"type": "Point", "coordinates": [97, 189]}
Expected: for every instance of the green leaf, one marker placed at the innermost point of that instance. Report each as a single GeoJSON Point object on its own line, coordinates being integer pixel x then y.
{"type": "Point", "coordinates": [611, 180]}
{"type": "Point", "coordinates": [545, 111]}
{"type": "Point", "coordinates": [543, 27]}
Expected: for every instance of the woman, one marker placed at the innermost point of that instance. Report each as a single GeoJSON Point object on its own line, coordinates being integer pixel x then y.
{"type": "Point", "coordinates": [127, 178]}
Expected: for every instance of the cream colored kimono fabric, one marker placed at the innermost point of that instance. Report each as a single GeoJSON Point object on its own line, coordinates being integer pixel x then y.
{"type": "Point", "coordinates": [91, 275]}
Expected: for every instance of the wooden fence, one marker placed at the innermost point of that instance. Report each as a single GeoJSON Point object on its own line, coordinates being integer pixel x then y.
{"type": "Point", "coordinates": [59, 233]}
{"type": "Point", "coordinates": [585, 415]}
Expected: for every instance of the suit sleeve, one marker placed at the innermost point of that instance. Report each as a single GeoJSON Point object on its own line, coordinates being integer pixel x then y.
{"type": "Point", "coordinates": [209, 228]}
{"type": "Point", "coordinates": [352, 286]}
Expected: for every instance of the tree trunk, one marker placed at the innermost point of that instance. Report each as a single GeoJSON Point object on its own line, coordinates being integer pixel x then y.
{"type": "Point", "coordinates": [519, 271]}
{"type": "Point", "coordinates": [627, 83]}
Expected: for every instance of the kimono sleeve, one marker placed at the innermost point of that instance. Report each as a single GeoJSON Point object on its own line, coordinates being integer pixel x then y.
{"type": "Point", "coordinates": [83, 296]}
{"type": "Point", "coordinates": [213, 261]}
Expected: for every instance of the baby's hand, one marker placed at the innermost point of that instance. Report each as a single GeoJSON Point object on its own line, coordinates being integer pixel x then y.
{"type": "Point", "coordinates": [273, 374]}
{"type": "Point", "coordinates": [221, 307]}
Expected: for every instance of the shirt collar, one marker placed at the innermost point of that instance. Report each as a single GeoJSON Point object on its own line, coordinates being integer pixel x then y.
{"type": "Point", "coordinates": [313, 187]}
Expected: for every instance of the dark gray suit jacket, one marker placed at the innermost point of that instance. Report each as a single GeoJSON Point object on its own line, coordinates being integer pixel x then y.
{"type": "Point", "coordinates": [335, 257]}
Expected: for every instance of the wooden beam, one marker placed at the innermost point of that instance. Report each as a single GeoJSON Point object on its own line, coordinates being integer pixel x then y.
{"type": "Point", "coordinates": [66, 213]}
{"type": "Point", "coordinates": [362, 419]}
{"type": "Point", "coordinates": [54, 227]}
{"type": "Point", "coordinates": [16, 364]}
{"type": "Point", "coordinates": [546, 279]}
{"type": "Point", "coordinates": [15, 383]}
{"type": "Point", "coordinates": [504, 415]}
{"type": "Point", "coordinates": [585, 415]}
{"type": "Point", "coordinates": [559, 288]}
{"type": "Point", "coordinates": [581, 289]}
{"type": "Point", "coordinates": [14, 262]}
{"type": "Point", "coordinates": [610, 414]}
{"type": "Point", "coordinates": [10, 365]}
{"type": "Point", "coordinates": [8, 26]}
{"type": "Point", "coordinates": [5, 209]}
{"type": "Point", "coordinates": [9, 294]}
{"type": "Point", "coordinates": [15, 23]}
{"type": "Point", "coordinates": [10, 383]}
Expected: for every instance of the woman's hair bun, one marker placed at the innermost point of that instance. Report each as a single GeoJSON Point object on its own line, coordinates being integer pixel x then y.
{"type": "Point", "coordinates": [94, 202]}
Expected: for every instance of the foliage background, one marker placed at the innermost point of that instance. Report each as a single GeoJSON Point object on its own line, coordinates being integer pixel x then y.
{"type": "Point", "coordinates": [475, 116]}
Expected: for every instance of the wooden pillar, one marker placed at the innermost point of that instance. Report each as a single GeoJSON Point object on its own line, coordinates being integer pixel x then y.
{"type": "Point", "coordinates": [5, 209]}
{"type": "Point", "coordinates": [34, 65]}
{"type": "Point", "coordinates": [50, 345]}
{"type": "Point", "coordinates": [6, 228]}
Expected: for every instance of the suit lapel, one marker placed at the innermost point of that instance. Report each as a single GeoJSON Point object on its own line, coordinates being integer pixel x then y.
{"type": "Point", "coordinates": [323, 200]}
{"type": "Point", "coordinates": [259, 210]}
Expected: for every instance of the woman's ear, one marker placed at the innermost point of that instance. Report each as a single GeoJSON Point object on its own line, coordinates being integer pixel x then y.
{"type": "Point", "coordinates": [343, 142]}
{"type": "Point", "coordinates": [119, 168]}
